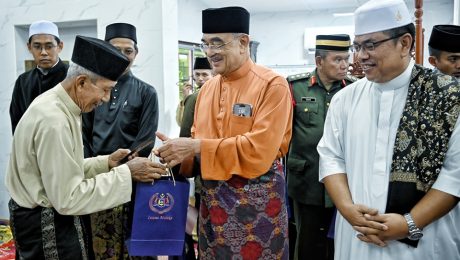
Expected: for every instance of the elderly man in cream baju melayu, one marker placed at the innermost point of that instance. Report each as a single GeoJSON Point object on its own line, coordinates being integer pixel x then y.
{"type": "Point", "coordinates": [390, 153]}
{"type": "Point", "coordinates": [49, 181]}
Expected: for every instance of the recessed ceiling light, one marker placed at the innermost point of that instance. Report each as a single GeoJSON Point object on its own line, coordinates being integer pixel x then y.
{"type": "Point", "coordinates": [342, 14]}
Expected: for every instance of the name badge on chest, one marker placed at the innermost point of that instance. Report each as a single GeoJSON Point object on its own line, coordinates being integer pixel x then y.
{"type": "Point", "coordinates": [308, 99]}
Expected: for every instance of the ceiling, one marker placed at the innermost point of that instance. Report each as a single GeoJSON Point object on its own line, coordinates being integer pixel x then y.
{"type": "Point", "coordinates": [262, 6]}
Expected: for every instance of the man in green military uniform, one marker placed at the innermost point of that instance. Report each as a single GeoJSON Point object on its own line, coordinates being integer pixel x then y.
{"type": "Point", "coordinates": [312, 93]}
{"type": "Point", "coordinates": [202, 72]}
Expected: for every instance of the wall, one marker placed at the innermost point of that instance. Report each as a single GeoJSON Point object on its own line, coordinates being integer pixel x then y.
{"type": "Point", "coordinates": [189, 20]}
{"type": "Point", "coordinates": [156, 63]}
{"type": "Point", "coordinates": [281, 34]}
{"type": "Point", "coordinates": [282, 43]}
{"type": "Point", "coordinates": [456, 12]}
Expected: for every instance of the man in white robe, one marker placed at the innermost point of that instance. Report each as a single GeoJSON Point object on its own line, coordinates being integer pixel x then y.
{"type": "Point", "coordinates": [358, 144]}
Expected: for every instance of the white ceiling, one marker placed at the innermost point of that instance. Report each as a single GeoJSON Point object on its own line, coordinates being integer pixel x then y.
{"type": "Point", "coordinates": [262, 6]}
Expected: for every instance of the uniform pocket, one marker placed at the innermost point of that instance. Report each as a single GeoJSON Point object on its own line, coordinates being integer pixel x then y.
{"type": "Point", "coordinates": [306, 112]}
{"type": "Point", "coordinates": [296, 166]}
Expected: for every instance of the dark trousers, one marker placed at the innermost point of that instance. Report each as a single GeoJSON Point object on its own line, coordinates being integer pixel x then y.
{"type": "Point", "coordinates": [312, 225]}
{"type": "Point", "coordinates": [190, 253]}
{"type": "Point", "coordinates": [86, 223]}
{"type": "Point", "coordinates": [43, 233]}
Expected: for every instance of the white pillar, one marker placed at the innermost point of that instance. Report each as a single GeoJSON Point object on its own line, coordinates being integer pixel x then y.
{"type": "Point", "coordinates": [457, 12]}
{"type": "Point", "coordinates": [160, 65]}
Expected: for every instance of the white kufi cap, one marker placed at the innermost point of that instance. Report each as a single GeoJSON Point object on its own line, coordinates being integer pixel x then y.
{"type": "Point", "coordinates": [381, 15]}
{"type": "Point", "coordinates": [43, 27]}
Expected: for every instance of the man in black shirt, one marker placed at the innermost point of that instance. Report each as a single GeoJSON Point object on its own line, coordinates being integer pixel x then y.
{"type": "Point", "coordinates": [44, 45]}
{"type": "Point", "coordinates": [127, 120]}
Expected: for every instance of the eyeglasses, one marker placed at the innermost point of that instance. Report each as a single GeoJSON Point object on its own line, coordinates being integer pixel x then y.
{"type": "Point", "coordinates": [126, 51]}
{"type": "Point", "coordinates": [215, 47]}
{"type": "Point", "coordinates": [47, 47]}
{"type": "Point", "coordinates": [370, 46]}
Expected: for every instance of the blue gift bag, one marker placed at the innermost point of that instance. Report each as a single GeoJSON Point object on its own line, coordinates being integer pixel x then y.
{"type": "Point", "coordinates": [160, 213]}
{"type": "Point", "coordinates": [331, 232]}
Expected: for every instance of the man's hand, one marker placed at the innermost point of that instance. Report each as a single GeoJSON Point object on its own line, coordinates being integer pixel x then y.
{"type": "Point", "coordinates": [434, 205]}
{"type": "Point", "coordinates": [187, 90]}
{"type": "Point", "coordinates": [337, 187]}
{"type": "Point", "coordinates": [115, 157]}
{"type": "Point", "coordinates": [174, 151]}
{"type": "Point", "coordinates": [396, 223]}
{"type": "Point", "coordinates": [356, 215]}
{"type": "Point", "coordinates": [144, 170]}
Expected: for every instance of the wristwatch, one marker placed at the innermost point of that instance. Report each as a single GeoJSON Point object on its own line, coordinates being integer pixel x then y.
{"type": "Point", "coordinates": [415, 233]}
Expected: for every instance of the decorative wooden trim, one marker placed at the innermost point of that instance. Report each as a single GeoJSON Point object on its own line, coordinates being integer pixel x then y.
{"type": "Point", "coordinates": [419, 42]}
{"type": "Point", "coordinates": [355, 68]}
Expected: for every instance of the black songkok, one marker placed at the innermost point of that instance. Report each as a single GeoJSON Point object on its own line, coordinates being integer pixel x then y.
{"type": "Point", "coordinates": [120, 30]}
{"type": "Point", "coordinates": [445, 38]}
{"type": "Point", "coordinates": [99, 57]}
{"type": "Point", "coordinates": [233, 19]}
{"type": "Point", "coordinates": [335, 42]}
{"type": "Point", "coordinates": [201, 64]}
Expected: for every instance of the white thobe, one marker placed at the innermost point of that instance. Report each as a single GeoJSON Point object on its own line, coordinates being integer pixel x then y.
{"type": "Point", "coordinates": [359, 135]}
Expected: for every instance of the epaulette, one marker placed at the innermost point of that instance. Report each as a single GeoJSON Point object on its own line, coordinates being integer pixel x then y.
{"type": "Point", "coordinates": [351, 78]}
{"type": "Point", "coordinates": [299, 76]}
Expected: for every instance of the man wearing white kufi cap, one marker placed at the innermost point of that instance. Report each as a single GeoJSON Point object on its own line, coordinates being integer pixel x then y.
{"type": "Point", "coordinates": [44, 45]}
{"type": "Point", "coordinates": [390, 152]}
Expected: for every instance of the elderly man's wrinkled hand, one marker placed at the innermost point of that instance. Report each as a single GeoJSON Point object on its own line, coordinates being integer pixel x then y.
{"type": "Point", "coordinates": [115, 157]}
{"type": "Point", "coordinates": [144, 170]}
